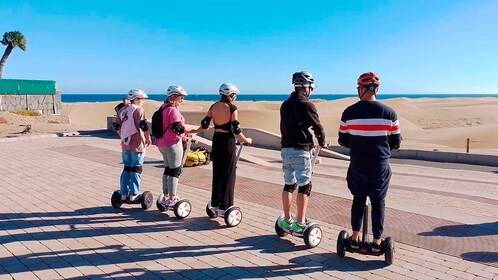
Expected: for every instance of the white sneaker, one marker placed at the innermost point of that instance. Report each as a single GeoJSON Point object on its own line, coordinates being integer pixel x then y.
{"type": "Point", "coordinates": [124, 197]}
{"type": "Point", "coordinates": [134, 197]}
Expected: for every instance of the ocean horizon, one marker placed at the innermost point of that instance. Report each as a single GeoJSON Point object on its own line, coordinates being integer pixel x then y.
{"type": "Point", "coordinates": [278, 97]}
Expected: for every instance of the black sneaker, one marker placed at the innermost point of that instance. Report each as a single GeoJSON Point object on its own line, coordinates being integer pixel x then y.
{"type": "Point", "coordinates": [354, 244]}
{"type": "Point", "coordinates": [376, 248]}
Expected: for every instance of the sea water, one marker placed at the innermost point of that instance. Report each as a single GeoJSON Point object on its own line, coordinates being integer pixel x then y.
{"type": "Point", "coordinates": [106, 97]}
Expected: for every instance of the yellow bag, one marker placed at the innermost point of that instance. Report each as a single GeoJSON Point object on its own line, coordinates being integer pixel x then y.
{"type": "Point", "coordinates": [192, 159]}
{"type": "Point", "coordinates": [201, 156]}
{"type": "Point", "coordinates": [198, 156]}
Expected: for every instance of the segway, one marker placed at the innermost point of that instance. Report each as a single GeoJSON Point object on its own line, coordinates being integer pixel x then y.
{"type": "Point", "coordinates": [344, 243]}
{"type": "Point", "coordinates": [182, 207]}
{"type": "Point", "coordinates": [233, 214]}
{"type": "Point", "coordinates": [312, 233]}
{"type": "Point", "coordinates": [145, 199]}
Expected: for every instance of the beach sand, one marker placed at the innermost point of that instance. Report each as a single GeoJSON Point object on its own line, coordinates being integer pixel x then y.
{"type": "Point", "coordinates": [427, 124]}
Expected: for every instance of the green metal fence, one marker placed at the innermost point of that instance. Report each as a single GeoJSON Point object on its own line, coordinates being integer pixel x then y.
{"type": "Point", "coordinates": [24, 87]}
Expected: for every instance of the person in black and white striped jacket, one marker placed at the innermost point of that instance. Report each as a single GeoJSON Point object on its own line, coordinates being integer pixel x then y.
{"type": "Point", "coordinates": [370, 130]}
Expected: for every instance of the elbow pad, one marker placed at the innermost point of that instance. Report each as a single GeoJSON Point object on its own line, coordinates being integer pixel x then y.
{"type": "Point", "coordinates": [143, 125]}
{"type": "Point", "coordinates": [205, 122]}
{"type": "Point", "coordinates": [116, 126]}
{"type": "Point", "coordinates": [178, 128]}
{"type": "Point", "coordinates": [236, 128]}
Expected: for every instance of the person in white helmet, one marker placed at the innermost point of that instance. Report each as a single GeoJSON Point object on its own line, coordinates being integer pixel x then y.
{"type": "Point", "coordinates": [135, 138]}
{"type": "Point", "coordinates": [226, 128]}
{"type": "Point", "coordinates": [170, 143]}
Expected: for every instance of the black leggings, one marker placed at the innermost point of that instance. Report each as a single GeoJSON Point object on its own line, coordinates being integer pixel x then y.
{"type": "Point", "coordinates": [224, 165]}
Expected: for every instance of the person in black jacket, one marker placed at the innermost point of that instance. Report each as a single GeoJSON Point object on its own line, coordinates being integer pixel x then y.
{"type": "Point", "coordinates": [297, 115]}
{"type": "Point", "coordinates": [370, 130]}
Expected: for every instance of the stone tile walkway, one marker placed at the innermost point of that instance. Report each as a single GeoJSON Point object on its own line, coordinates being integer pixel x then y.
{"type": "Point", "coordinates": [56, 221]}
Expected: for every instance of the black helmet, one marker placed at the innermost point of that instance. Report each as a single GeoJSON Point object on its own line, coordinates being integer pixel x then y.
{"type": "Point", "coordinates": [302, 78]}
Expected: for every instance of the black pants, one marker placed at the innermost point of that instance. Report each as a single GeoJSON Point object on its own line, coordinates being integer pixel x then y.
{"type": "Point", "coordinates": [369, 181]}
{"type": "Point", "coordinates": [224, 165]}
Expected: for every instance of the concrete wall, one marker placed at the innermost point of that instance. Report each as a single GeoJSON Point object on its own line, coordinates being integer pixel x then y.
{"type": "Point", "coordinates": [47, 104]}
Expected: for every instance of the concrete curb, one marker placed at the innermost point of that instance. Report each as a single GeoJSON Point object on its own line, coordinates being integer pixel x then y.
{"type": "Point", "coordinates": [268, 140]}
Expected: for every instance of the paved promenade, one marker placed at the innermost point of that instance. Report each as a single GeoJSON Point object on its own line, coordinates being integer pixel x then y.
{"type": "Point", "coordinates": [56, 221]}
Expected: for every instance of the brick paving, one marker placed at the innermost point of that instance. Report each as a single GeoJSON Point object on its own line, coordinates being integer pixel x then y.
{"type": "Point", "coordinates": [56, 221]}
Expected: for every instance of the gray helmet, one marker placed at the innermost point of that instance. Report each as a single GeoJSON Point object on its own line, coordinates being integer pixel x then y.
{"type": "Point", "coordinates": [228, 89]}
{"type": "Point", "coordinates": [303, 78]}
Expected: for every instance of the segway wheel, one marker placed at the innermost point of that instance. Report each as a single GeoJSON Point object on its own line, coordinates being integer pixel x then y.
{"type": "Point", "coordinates": [116, 199]}
{"type": "Point", "coordinates": [312, 236]}
{"type": "Point", "coordinates": [233, 217]}
{"type": "Point", "coordinates": [209, 212]}
{"type": "Point", "coordinates": [280, 232]}
{"type": "Point", "coordinates": [341, 243]}
{"type": "Point", "coordinates": [182, 209]}
{"type": "Point", "coordinates": [147, 200]}
{"type": "Point", "coordinates": [159, 205]}
{"type": "Point", "coordinates": [389, 250]}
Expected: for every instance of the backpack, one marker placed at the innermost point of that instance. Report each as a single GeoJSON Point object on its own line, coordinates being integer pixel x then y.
{"type": "Point", "coordinates": [157, 123]}
{"type": "Point", "coordinates": [198, 156]}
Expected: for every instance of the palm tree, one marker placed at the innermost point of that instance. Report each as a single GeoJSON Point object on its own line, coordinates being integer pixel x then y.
{"type": "Point", "coordinates": [12, 40]}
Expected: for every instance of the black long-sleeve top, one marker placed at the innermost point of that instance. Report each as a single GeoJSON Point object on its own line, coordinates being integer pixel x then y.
{"type": "Point", "coordinates": [297, 115]}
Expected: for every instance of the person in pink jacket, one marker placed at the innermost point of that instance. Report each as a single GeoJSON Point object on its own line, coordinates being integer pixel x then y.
{"type": "Point", "coordinates": [135, 138]}
{"type": "Point", "coordinates": [170, 143]}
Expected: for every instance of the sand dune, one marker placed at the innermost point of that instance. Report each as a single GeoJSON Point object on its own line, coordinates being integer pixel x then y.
{"type": "Point", "coordinates": [425, 123]}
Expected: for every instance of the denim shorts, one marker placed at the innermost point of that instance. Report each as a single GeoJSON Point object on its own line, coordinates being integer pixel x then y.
{"type": "Point", "coordinates": [296, 164]}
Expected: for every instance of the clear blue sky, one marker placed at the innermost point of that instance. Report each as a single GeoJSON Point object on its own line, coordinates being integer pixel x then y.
{"type": "Point", "coordinates": [111, 46]}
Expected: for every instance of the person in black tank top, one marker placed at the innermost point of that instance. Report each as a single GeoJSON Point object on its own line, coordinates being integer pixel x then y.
{"type": "Point", "coordinates": [223, 146]}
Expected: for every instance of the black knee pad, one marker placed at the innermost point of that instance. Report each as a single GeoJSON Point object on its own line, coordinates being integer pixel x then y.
{"type": "Point", "coordinates": [290, 188]}
{"type": "Point", "coordinates": [306, 189]}
{"type": "Point", "coordinates": [359, 202]}
{"type": "Point", "coordinates": [378, 205]}
{"type": "Point", "coordinates": [136, 169]}
{"type": "Point", "coordinates": [167, 171]}
{"type": "Point", "coordinates": [127, 169]}
{"type": "Point", "coordinates": [175, 172]}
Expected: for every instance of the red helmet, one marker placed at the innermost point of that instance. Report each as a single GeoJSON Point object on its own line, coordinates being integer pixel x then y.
{"type": "Point", "coordinates": [369, 79]}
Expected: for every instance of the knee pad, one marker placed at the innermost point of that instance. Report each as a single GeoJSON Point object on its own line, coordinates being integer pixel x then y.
{"type": "Point", "coordinates": [136, 169]}
{"type": "Point", "coordinates": [290, 188]}
{"type": "Point", "coordinates": [378, 205]}
{"type": "Point", "coordinates": [306, 189]}
{"type": "Point", "coordinates": [175, 172]}
{"type": "Point", "coordinates": [167, 171]}
{"type": "Point", "coordinates": [359, 202]}
{"type": "Point", "coordinates": [127, 169]}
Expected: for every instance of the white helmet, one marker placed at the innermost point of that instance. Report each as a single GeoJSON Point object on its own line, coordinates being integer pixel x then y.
{"type": "Point", "coordinates": [136, 93]}
{"type": "Point", "coordinates": [228, 89]}
{"type": "Point", "coordinates": [175, 90]}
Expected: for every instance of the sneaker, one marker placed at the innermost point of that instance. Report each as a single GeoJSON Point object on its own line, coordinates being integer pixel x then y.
{"type": "Point", "coordinates": [124, 197]}
{"type": "Point", "coordinates": [286, 224]}
{"type": "Point", "coordinates": [172, 202]}
{"type": "Point", "coordinates": [298, 227]}
{"type": "Point", "coordinates": [376, 248]}
{"type": "Point", "coordinates": [164, 202]}
{"type": "Point", "coordinates": [134, 197]}
{"type": "Point", "coordinates": [354, 244]}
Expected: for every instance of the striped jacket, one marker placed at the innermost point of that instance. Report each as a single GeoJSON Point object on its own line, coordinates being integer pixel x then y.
{"type": "Point", "coordinates": [370, 130]}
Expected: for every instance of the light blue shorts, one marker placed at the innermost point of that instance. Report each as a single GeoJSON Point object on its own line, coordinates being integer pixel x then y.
{"type": "Point", "coordinates": [296, 164]}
